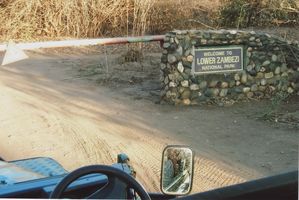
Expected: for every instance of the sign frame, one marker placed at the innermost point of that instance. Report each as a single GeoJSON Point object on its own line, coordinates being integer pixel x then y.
{"type": "Point", "coordinates": [220, 47]}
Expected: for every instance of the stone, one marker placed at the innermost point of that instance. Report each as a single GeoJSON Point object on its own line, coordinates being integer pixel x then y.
{"type": "Point", "coordinates": [284, 67]}
{"type": "Point", "coordinates": [186, 102]}
{"type": "Point", "coordinates": [215, 92]}
{"type": "Point", "coordinates": [244, 78]}
{"type": "Point", "coordinates": [254, 88]}
{"type": "Point", "coordinates": [251, 39]}
{"type": "Point", "coordinates": [213, 84]}
{"type": "Point", "coordinates": [203, 84]}
{"type": "Point", "coordinates": [290, 90]}
{"type": "Point", "coordinates": [232, 84]}
{"type": "Point", "coordinates": [166, 45]}
{"type": "Point", "coordinates": [186, 94]}
{"type": "Point", "coordinates": [180, 67]}
{"type": "Point", "coordinates": [224, 85]}
{"type": "Point", "coordinates": [263, 69]}
{"type": "Point", "coordinates": [190, 58]}
{"type": "Point", "coordinates": [166, 81]}
{"type": "Point", "coordinates": [194, 87]}
{"type": "Point", "coordinates": [162, 66]}
{"type": "Point", "coordinates": [237, 77]}
{"type": "Point", "coordinates": [246, 89]}
{"type": "Point", "coordinates": [249, 68]}
{"type": "Point", "coordinates": [172, 84]}
{"type": "Point", "coordinates": [274, 58]}
{"type": "Point", "coordinates": [223, 92]}
{"type": "Point", "coordinates": [185, 83]}
{"type": "Point", "coordinates": [277, 70]}
{"type": "Point", "coordinates": [262, 88]}
{"type": "Point", "coordinates": [171, 77]}
{"type": "Point", "coordinates": [179, 50]}
{"type": "Point", "coordinates": [203, 41]}
{"type": "Point", "coordinates": [266, 63]}
{"type": "Point", "coordinates": [263, 82]}
{"type": "Point", "coordinates": [269, 75]}
{"type": "Point", "coordinates": [238, 83]}
{"type": "Point", "coordinates": [260, 75]}
{"type": "Point", "coordinates": [284, 74]}
{"type": "Point", "coordinates": [171, 58]}
{"type": "Point", "coordinates": [249, 49]}
{"type": "Point", "coordinates": [250, 95]}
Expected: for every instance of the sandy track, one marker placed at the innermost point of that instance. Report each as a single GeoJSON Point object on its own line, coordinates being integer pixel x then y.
{"type": "Point", "coordinates": [43, 114]}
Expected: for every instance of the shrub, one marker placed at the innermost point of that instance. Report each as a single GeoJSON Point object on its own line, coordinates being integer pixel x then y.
{"type": "Point", "coordinates": [245, 13]}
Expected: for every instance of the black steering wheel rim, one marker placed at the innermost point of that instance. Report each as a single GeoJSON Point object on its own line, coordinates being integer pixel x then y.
{"type": "Point", "coordinates": [101, 169]}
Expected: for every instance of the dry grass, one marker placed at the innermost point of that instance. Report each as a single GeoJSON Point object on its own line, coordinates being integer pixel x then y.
{"type": "Point", "coordinates": [23, 19]}
{"type": "Point", "coordinates": [35, 19]}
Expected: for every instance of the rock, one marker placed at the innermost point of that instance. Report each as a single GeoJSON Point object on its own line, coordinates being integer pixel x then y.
{"type": "Point", "coordinates": [266, 63]}
{"type": "Point", "coordinates": [185, 83]}
{"type": "Point", "coordinates": [249, 68]}
{"type": "Point", "coordinates": [194, 87]}
{"type": "Point", "coordinates": [162, 66]}
{"type": "Point", "coordinates": [249, 49]}
{"type": "Point", "coordinates": [237, 77]}
{"type": "Point", "coordinates": [186, 102]}
{"type": "Point", "coordinates": [260, 75]}
{"type": "Point", "coordinates": [269, 75]}
{"type": "Point", "coordinates": [203, 41]}
{"type": "Point", "coordinates": [224, 85]}
{"type": "Point", "coordinates": [166, 81]}
{"type": "Point", "coordinates": [232, 84]}
{"type": "Point", "coordinates": [254, 88]}
{"type": "Point", "coordinates": [284, 74]}
{"type": "Point", "coordinates": [274, 58]}
{"type": "Point", "coordinates": [213, 84]}
{"type": "Point", "coordinates": [246, 89]}
{"type": "Point", "coordinates": [190, 58]}
{"type": "Point", "coordinates": [250, 95]}
{"type": "Point", "coordinates": [244, 78]}
{"type": "Point", "coordinates": [166, 45]}
{"type": "Point", "coordinates": [223, 92]}
{"type": "Point", "coordinates": [238, 83]}
{"type": "Point", "coordinates": [263, 82]}
{"type": "Point", "coordinates": [277, 70]}
{"type": "Point", "coordinates": [171, 77]}
{"type": "Point", "coordinates": [251, 39]}
{"type": "Point", "coordinates": [171, 58]}
{"type": "Point", "coordinates": [179, 50]}
{"type": "Point", "coordinates": [284, 67]}
{"type": "Point", "coordinates": [203, 84]}
{"type": "Point", "coordinates": [215, 92]}
{"type": "Point", "coordinates": [262, 88]}
{"type": "Point", "coordinates": [290, 90]}
{"type": "Point", "coordinates": [172, 84]}
{"type": "Point", "coordinates": [180, 67]}
{"type": "Point", "coordinates": [186, 94]}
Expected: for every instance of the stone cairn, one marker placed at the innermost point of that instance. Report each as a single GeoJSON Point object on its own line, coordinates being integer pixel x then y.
{"type": "Point", "coordinates": [271, 64]}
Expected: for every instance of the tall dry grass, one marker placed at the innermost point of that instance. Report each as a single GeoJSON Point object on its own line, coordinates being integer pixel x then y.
{"type": "Point", "coordinates": [23, 19]}
{"type": "Point", "coordinates": [35, 19]}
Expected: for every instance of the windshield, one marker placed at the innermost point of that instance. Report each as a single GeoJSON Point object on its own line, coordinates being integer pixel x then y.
{"type": "Point", "coordinates": [229, 95]}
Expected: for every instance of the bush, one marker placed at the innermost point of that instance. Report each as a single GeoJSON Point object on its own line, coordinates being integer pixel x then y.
{"type": "Point", "coordinates": [246, 13]}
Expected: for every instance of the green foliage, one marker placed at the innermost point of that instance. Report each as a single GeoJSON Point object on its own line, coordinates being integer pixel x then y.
{"type": "Point", "coordinates": [245, 13]}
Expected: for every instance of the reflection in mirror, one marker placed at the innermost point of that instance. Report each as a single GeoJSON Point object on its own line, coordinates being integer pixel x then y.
{"type": "Point", "coordinates": [177, 170]}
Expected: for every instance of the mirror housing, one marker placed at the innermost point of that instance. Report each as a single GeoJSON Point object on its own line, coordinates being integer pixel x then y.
{"type": "Point", "coordinates": [177, 170]}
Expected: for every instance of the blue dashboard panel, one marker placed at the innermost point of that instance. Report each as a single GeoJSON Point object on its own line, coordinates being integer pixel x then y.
{"type": "Point", "coordinates": [41, 165]}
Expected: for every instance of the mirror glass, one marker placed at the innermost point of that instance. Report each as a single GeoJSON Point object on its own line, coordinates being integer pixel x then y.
{"type": "Point", "coordinates": [177, 170]}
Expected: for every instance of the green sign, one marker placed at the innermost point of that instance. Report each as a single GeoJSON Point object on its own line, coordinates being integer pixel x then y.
{"type": "Point", "coordinates": [218, 59]}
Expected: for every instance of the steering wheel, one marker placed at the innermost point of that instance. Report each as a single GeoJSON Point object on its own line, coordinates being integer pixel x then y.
{"type": "Point", "coordinates": [114, 175]}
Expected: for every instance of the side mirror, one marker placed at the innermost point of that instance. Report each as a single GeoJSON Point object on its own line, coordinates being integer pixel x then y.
{"type": "Point", "coordinates": [177, 170]}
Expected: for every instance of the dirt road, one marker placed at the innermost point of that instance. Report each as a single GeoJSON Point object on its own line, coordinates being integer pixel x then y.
{"type": "Point", "coordinates": [50, 105]}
